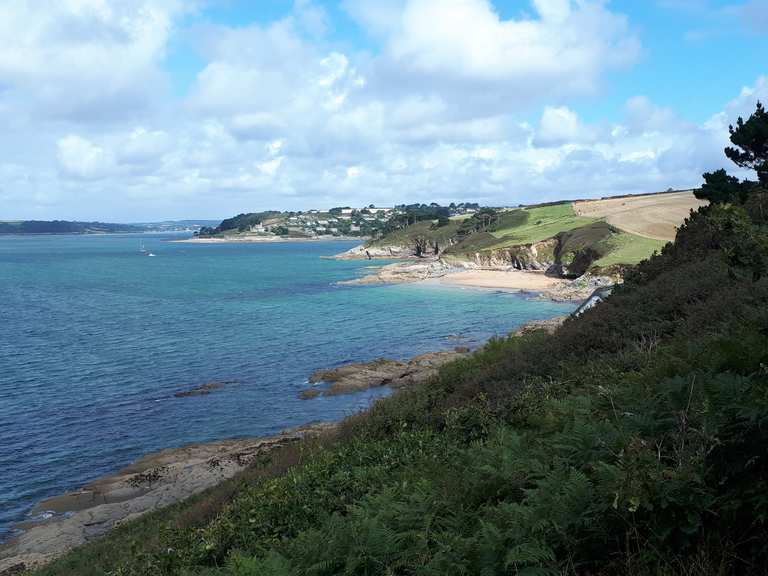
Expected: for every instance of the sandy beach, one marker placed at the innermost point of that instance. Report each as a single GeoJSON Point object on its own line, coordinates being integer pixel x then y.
{"type": "Point", "coordinates": [431, 271]}
{"type": "Point", "coordinates": [514, 280]}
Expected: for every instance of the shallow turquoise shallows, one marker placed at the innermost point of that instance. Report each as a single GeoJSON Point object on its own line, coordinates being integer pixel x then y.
{"type": "Point", "coordinates": [96, 338]}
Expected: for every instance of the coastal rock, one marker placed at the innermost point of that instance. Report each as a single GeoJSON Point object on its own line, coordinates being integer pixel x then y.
{"type": "Point", "coordinates": [153, 482]}
{"type": "Point", "coordinates": [14, 570]}
{"type": "Point", "coordinates": [381, 372]}
{"type": "Point", "coordinates": [203, 389]}
{"type": "Point", "coordinates": [549, 325]}
{"type": "Point", "coordinates": [406, 272]}
{"type": "Point", "coordinates": [537, 256]}
{"type": "Point", "coordinates": [364, 252]}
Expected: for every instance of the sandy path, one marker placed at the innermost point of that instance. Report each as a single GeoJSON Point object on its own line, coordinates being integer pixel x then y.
{"type": "Point", "coordinates": [503, 280]}
{"type": "Point", "coordinates": [655, 216]}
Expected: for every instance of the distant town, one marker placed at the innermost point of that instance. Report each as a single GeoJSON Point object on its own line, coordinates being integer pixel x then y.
{"type": "Point", "coordinates": [342, 221]}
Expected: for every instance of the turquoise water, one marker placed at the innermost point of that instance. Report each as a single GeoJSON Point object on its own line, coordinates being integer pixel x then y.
{"type": "Point", "coordinates": [95, 339]}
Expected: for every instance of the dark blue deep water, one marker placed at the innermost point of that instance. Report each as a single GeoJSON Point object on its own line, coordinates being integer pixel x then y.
{"type": "Point", "coordinates": [96, 338]}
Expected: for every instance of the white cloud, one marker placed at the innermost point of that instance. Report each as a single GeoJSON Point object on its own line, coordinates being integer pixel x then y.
{"type": "Point", "coordinates": [464, 46]}
{"type": "Point", "coordinates": [80, 158]}
{"type": "Point", "coordinates": [559, 125]}
{"type": "Point", "coordinates": [87, 60]}
{"type": "Point", "coordinates": [279, 116]}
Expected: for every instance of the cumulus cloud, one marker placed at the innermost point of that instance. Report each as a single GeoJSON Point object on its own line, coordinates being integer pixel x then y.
{"type": "Point", "coordinates": [80, 158]}
{"type": "Point", "coordinates": [87, 60]}
{"type": "Point", "coordinates": [559, 125]}
{"type": "Point", "coordinates": [464, 48]}
{"type": "Point", "coordinates": [279, 116]}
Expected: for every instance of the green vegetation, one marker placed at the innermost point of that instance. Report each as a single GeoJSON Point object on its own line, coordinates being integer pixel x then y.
{"type": "Point", "coordinates": [629, 249]}
{"type": "Point", "coordinates": [240, 223]}
{"type": "Point", "coordinates": [422, 229]}
{"type": "Point", "coordinates": [632, 441]}
{"type": "Point", "coordinates": [65, 227]}
{"type": "Point", "coordinates": [542, 223]}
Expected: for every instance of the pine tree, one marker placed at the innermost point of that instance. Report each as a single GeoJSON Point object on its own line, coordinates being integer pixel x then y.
{"type": "Point", "coordinates": [749, 150]}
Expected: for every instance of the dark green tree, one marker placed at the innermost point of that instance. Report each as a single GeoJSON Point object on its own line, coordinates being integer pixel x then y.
{"type": "Point", "coordinates": [751, 141]}
{"type": "Point", "coordinates": [749, 150]}
{"type": "Point", "coordinates": [719, 188]}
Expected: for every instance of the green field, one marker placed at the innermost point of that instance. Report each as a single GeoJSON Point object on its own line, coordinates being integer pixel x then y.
{"type": "Point", "coordinates": [628, 248]}
{"type": "Point", "coordinates": [542, 223]}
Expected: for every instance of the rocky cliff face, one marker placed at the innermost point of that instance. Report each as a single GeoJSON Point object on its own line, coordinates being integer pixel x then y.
{"type": "Point", "coordinates": [567, 255]}
{"type": "Point", "coordinates": [393, 251]}
{"type": "Point", "coordinates": [538, 256]}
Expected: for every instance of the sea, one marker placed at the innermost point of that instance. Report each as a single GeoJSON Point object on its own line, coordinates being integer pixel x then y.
{"type": "Point", "coordinates": [97, 337]}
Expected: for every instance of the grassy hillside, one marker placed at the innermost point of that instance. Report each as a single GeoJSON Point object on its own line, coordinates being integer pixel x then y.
{"type": "Point", "coordinates": [629, 249]}
{"type": "Point", "coordinates": [630, 442]}
{"type": "Point", "coordinates": [603, 245]}
{"type": "Point", "coordinates": [425, 228]}
{"type": "Point", "coordinates": [541, 223]}
{"type": "Point", "coordinates": [510, 230]}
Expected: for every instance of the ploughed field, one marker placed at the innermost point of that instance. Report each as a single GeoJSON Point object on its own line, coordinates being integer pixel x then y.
{"type": "Point", "coordinates": [654, 216]}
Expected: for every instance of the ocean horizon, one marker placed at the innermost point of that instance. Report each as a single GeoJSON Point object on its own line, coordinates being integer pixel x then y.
{"type": "Point", "coordinates": [98, 339]}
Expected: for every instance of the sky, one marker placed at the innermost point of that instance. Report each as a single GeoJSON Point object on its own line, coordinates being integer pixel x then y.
{"type": "Point", "coordinates": [145, 110]}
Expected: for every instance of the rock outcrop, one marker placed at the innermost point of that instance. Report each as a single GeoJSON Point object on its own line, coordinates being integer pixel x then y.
{"type": "Point", "coordinates": [153, 482]}
{"type": "Point", "coordinates": [381, 372]}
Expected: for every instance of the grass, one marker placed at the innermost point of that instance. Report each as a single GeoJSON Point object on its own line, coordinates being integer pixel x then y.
{"type": "Point", "coordinates": [629, 249]}
{"type": "Point", "coordinates": [543, 222]}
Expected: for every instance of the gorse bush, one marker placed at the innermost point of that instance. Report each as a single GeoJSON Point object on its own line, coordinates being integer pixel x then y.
{"type": "Point", "coordinates": [632, 441]}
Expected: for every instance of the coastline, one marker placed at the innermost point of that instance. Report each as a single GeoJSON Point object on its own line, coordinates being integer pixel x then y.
{"type": "Point", "coordinates": [153, 482]}
{"type": "Point", "coordinates": [435, 272]}
{"type": "Point", "coordinates": [170, 476]}
{"type": "Point", "coordinates": [173, 475]}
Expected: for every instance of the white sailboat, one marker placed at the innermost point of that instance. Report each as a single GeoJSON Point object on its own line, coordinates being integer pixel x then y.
{"type": "Point", "coordinates": [143, 249]}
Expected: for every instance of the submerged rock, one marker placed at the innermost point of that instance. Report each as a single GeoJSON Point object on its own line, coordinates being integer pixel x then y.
{"type": "Point", "coordinates": [203, 389]}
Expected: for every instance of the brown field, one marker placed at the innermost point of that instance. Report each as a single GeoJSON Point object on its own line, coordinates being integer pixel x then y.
{"type": "Point", "coordinates": [654, 216]}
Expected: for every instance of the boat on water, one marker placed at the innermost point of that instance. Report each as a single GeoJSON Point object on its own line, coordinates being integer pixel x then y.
{"type": "Point", "coordinates": [144, 250]}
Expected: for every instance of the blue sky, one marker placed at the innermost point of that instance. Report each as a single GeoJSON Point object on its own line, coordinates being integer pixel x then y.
{"type": "Point", "coordinates": [150, 109]}
{"type": "Point", "coordinates": [690, 48]}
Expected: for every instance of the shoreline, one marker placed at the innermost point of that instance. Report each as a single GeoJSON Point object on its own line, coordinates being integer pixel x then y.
{"type": "Point", "coordinates": [173, 475]}
{"type": "Point", "coordinates": [435, 272]}
{"type": "Point", "coordinates": [152, 482]}
{"type": "Point", "coordinates": [160, 479]}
